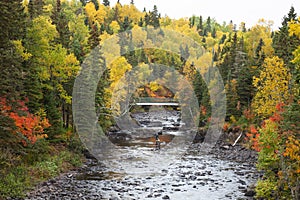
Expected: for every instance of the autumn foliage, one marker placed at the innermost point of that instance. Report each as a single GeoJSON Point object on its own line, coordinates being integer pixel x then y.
{"type": "Point", "coordinates": [272, 86]}
{"type": "Point", "coordinates": [253, 137]}
{"type": "Point", "coordinates": [29, 126]}
{"type": "Point", "coordinates": [279, 154]}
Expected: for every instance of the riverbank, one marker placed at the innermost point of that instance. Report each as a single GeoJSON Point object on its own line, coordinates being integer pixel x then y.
{"type": "Point", "coordinates": [49, 160]}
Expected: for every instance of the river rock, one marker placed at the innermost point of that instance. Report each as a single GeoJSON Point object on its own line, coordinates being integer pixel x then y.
{"type": "Point", "coordinates": [166, 197]}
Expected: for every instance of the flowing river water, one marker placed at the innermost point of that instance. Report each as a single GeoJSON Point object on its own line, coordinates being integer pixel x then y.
{"type": "Point", "coordinates": [194, 175]}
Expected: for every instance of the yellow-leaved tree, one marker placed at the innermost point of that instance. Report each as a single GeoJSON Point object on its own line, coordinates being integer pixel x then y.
{"type": "Point", "coordinates": [118, 69]}
{"type": "Point", "coordinates": [272, 86]}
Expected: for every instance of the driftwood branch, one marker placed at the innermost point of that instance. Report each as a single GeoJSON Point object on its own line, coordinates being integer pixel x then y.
{"type": "Point", "coordinates": [237, 139]}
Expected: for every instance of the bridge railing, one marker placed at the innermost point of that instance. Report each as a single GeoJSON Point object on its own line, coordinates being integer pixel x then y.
{"type": "Point", "coordinates": [154, 100]}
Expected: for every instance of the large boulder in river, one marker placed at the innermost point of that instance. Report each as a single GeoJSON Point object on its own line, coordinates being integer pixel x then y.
{"type": "Point", "coordinates": [200, 135]}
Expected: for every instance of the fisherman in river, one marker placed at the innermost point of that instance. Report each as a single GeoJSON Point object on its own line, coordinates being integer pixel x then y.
{"type": "Point", "coordinates": [157, 140]}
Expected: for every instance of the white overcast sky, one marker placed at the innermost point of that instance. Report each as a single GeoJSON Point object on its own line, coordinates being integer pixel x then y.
{"type": "Point", "coordinates": [248, 11]}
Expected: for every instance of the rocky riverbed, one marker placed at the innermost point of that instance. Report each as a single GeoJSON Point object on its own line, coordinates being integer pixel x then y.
{"type": "Point", "coordinates": [225, 172]}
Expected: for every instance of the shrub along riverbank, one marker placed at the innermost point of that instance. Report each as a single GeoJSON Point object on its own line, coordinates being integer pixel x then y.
{"type": "Point", "coordinates": [23, 168]}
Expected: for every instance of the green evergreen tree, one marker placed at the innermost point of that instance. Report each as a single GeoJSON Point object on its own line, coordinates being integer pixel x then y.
{"type": "Point", "coordinates": [147, 19]}
{"type": "Point", "coordinates": [258, 49]}
{"type": "Point", "coordinates": [126, 25]}
{"type": "Point", "coordinates": [284, 44]}
{"type": "Point", "coordinates": [215, 55]}
{"type": "Point", "coordinates": [214, 33]}
{"type": "Point", "coordinates": [35, 8]}
{"type": "Point", "coordinates": [202, 94]}
{"type": "Point", "coordinates": [245, 89]}
{"type": "Point", "coordinates": [192, 21]}
{"type": "Point", "coordinates": [83, 2]}
{"type": "Point", "coordinates": [94, 39]}
{"type": "Point", "coordinates": [33, 87]}
{"type": "Point", "coordinates": [96, 3]}
{"type": "Point", "coordinates": [106, 2]}
{"type": "Point", "coordinates": [208, 24]}
{"type": "Point", "coordinates": [236, 74]}
{"type": "Point", "coordinates": [200, 26]}
{"type": "Point", "coordinates": [51, 103]}
{"type": "Point", "coordinates": [12, 28]}
{"type": "Point", "coordinates": [12, 78]}
{"type": "Point", "coordinates": [203, 42]}
{"type": "Point", "coordinates": [125, 36]}
{"type": "Point", "coordinates": [141, 22]}
{"type": "Point", "coordinates": [222, 40]}
{"type": "Point", "coordinates": [259, 54]}
{"type": "Point", "coordinates": [205, 32]}
{"type": "Point", "coordinates": [154, 17]}
{"type": "Point", "coordinates": [61, 22]}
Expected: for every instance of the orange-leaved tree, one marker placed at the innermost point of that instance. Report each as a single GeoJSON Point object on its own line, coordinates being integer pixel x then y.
{"type": "Point", "coordinates": [28, 126]}
{"type": "Point", "coordinates": [279, 155]}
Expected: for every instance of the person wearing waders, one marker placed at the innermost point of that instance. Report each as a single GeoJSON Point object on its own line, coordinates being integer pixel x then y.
{"type": "Point", "coordinates": [157, 140]}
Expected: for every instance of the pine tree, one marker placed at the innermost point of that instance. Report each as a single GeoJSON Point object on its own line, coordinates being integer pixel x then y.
{"type": "Point", "coordinates": [259, 54]}
{"type": "Point", "coordinates": [106, 2]}
{"type": "Point", "coordinates": [245, 89]}
{"type": "Point", "coordinates": [154, 17]}
{"type": "Point", "coordinates": [96, 3]}
{"type": "Point", "coordinates": [284, 44]}
{"type": "Point", "coordinates": [126, 25]}
{"type": "Point", "coordinates": [192, 21]}
{"type": "Point", "coordinates": [236, 75]}
{"type": "Point", "coordinates": [94, 39]}
{"type": "Point", "coordinates": [83, 2]}
{"type": "Point", "coordinates": [216, 54]}
{"type": "Point", "coordinates": [258, 49]}
{"type": "Point", "coordinates": [213, 33]}
{"type": "Point", "coordinates": [125, 41]}
{"type": "Point", "coordinates": [51, 104]}
{"type": "Point", "coordinates": [202, 94]}
{"type": "Point", "coordinates": [222, 40]}
{"type": "Point", "coordinates": [33, 87]}
{"type": "Point", "coordinates": [203, 42]}
{"type": "Point", "coordinates": [147, 19]}
{"type": "Point", "coordinates": [208, 24]}
{"type": "Point", "coordinates": [12, 28]}
{"type": "Point", "coordinates": [141, 22]}
{"type": "Point", "coordinates": [200, 26]}
{"type": "Point", "coordinates": [61, 22]}
{"type": "Point", "coordinates": [35, 8]}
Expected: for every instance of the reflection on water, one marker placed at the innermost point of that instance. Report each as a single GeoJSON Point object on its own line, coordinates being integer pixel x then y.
{"type": "Point", "coordinates": [99, 175]}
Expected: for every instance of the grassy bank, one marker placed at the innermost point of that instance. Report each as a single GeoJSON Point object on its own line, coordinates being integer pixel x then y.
{"type": "Point", "coordinates": [22, 169]}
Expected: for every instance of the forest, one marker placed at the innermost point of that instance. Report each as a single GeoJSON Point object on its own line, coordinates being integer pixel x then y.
{"type": "Point", "coordinates": [44, 44]}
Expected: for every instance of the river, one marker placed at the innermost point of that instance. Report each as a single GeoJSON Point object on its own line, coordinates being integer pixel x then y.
{"type": "Point", "coordinates": [193, 175]}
